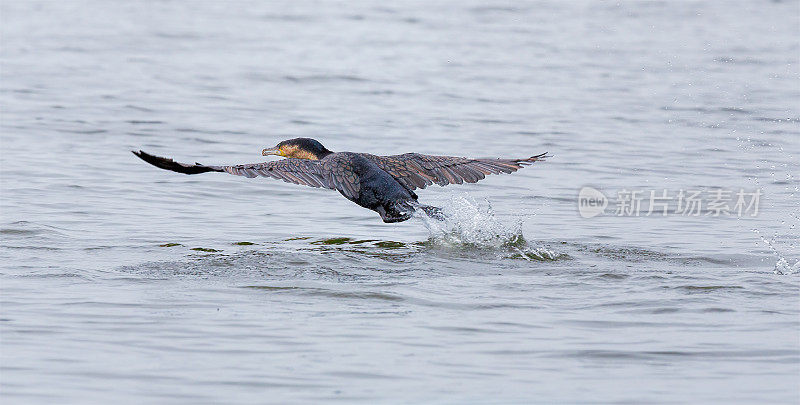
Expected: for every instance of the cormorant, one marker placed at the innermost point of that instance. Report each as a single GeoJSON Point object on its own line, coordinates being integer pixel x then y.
{"type": "Point", "coordinates": [384, 184]}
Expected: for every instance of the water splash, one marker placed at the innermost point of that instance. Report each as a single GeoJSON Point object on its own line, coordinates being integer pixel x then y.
{"type": "Point", "coordinates": [469, 225]}
{"type": "Point", "coordinates": [790, 187]}
{"type": "Point", "coordinates": [782, 265]}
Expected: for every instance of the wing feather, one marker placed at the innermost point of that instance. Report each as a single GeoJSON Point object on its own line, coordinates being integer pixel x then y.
{"type": "Point", "coordinates": [297, 171]}
{"type": "Point", "coordinates": [414, 170]}
{"type": "Point", "coordinates": [340, 173]}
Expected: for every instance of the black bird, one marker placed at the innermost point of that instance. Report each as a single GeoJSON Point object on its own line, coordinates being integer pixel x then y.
{"type": "Point", "coordinates": [384, 184]}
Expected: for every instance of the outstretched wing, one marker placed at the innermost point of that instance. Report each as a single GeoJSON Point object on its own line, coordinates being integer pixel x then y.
{"type": "Point", "coordinates": [297, 171]}
{"type": "Point", "coordinates": [340, 172]}
{"type": "Point", "coordinates": [419, 171]}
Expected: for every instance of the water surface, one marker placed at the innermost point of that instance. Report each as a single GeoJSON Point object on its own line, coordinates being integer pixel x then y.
{"type": "Point", "coordinates": [124, 282]}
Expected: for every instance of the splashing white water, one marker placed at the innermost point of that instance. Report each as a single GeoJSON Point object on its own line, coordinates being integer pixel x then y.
{"type": "Point", "coordinates": [469, 224]}
{"type": "Point", "coordinates": [791, 187]}
{"type": "Point", "coordinates": [782, 266]}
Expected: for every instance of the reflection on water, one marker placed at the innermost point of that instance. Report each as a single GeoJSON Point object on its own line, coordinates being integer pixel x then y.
{"type": "Point", "coordinates": [122, 281]}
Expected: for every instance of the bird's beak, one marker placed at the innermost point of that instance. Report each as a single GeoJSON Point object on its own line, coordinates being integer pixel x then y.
{"type": "Point", "coordinates": [272, 151]}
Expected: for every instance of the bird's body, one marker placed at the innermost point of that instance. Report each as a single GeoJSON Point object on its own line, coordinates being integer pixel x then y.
{"type": "Point", "coordinates": [377, 190]}
{"type": "Point", "coordinates": [383, 184]}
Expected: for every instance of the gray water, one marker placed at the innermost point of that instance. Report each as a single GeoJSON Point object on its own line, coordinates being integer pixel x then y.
{"type": "Point", "coordinates": [125, 283]}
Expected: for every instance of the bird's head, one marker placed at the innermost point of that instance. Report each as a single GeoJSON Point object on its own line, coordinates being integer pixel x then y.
{"type": "Point", "coordinates": [299, 148]}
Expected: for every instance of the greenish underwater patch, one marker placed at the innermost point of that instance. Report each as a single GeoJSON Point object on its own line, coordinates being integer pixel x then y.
{"type": "Point", "coordinates": [209, 250]}
{"type": "Point", "coordinates": [332, 241]}
{"type": "Point", "coordinates": [390, 244]}
{"type": "Point", "coordinates": [358, 242]}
